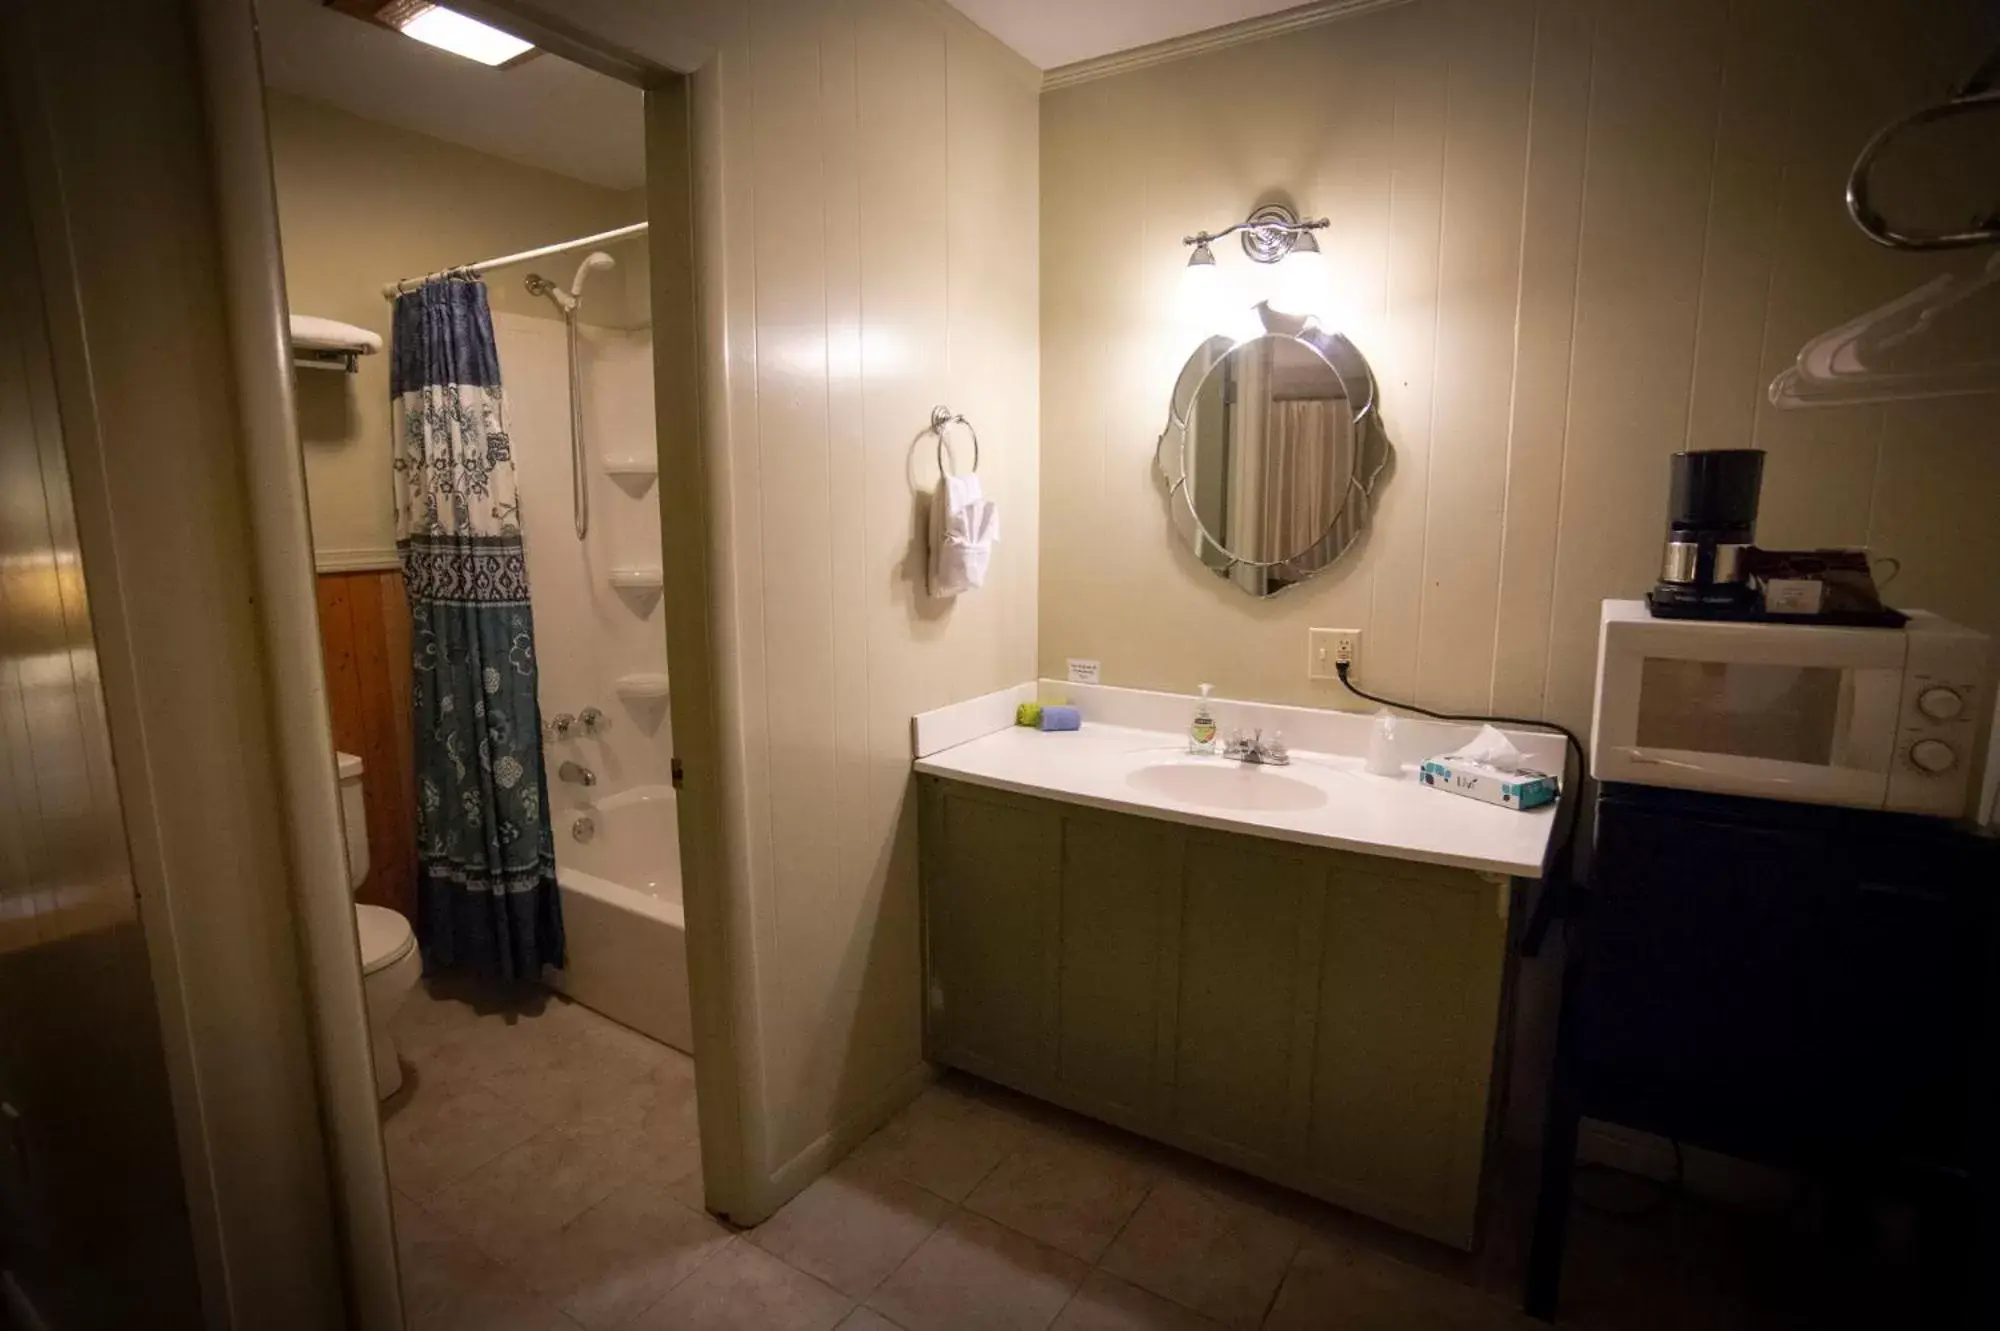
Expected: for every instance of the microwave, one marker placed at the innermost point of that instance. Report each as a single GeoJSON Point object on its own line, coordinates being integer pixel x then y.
{"type": "Point", "coordinates": [1869, 718]}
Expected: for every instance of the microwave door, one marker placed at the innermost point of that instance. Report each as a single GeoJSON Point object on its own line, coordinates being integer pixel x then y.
{"type": "Point", "coordinates": [1771, 715]}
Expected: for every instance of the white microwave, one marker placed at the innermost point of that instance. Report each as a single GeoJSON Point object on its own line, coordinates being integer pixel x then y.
{"type": "Point", "coordinates": [1871, 718]}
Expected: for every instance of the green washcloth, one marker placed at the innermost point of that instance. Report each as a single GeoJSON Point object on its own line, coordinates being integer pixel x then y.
{"type": "Point", "coordinates": [1028, 714]}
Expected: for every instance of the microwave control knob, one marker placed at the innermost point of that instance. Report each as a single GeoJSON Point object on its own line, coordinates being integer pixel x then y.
{"type": "Point", "coordinates": [1933, 755]}
{"type": "Point", "coordinates": [1940, 704]}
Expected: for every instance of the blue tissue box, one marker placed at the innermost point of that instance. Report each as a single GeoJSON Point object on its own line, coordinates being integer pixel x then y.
{"type": "Point", "coordinates": [1513, 790]}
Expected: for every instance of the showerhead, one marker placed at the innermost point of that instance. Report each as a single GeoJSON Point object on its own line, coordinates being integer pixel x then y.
{"type": "Point", "coordinates": [597, 259]}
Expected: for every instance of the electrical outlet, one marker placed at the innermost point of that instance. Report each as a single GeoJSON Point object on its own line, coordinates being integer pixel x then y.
{"type": "Point", "coordinates": [1329, 648]}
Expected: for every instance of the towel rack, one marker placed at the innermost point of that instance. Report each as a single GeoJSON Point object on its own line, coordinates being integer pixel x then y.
{"type": "Point", "coordinates": [942, 419]}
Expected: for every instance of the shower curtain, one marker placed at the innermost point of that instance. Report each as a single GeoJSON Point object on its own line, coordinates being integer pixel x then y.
{"type": "Point", "coordinates": [486, 867]}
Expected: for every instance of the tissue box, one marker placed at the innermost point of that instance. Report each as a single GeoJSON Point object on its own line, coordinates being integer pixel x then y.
{"type": "Point", "coordinates": [1463, 776]}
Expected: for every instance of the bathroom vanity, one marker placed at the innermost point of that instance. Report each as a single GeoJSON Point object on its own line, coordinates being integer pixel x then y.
{"type": "Point", "coordinates": [1301, 971]}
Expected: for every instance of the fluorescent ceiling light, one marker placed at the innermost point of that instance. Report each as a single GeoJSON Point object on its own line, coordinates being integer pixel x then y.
{"type": "Point", "coordinates": [449, 30]}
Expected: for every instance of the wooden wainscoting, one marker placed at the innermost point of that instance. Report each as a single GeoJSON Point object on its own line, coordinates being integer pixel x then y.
{"type": "Point", "coordinates": [364, 625]}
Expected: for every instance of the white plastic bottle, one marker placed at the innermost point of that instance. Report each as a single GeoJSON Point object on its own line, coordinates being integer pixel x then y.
{"type": "Point", "coordinates": [1381, 760]}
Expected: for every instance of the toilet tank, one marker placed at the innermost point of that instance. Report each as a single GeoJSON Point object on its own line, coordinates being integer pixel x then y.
{"type": "Point", "coordinates": [353, 819]}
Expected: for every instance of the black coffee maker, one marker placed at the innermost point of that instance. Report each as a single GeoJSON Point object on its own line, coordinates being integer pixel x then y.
{"type": "Point", "coordinates": [1711, 522]}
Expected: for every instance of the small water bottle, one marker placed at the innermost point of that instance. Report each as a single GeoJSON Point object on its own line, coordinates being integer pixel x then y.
{"type": "Point", "coordinates": [1381, 759]}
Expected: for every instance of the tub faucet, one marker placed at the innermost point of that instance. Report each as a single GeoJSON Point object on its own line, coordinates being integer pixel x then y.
{"type": "Point", "coordinates": [577, 772]}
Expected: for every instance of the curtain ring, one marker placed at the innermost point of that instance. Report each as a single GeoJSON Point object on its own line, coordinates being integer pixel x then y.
{"type": "Point", "coordinates": [943, 418]}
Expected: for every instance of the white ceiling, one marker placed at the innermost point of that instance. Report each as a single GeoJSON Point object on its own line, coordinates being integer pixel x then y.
{"type": "Point", "coordinates": [1061, 32]}
{"type": "Point", "coordinates": [547, 112]}
{"type": "Point", "coordinates": [564, 118]}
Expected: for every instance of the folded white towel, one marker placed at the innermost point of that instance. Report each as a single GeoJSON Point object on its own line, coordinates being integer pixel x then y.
{"type": "Point", "coordinates": [316, 334]}
{"type": "Point", "coordinates": [963, 529]}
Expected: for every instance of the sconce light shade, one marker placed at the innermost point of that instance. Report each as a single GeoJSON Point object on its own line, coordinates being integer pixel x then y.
{"type": "Point", "coordinates": [1301, 287]}
{"type": "Point", "coordinates": [1201, 296]}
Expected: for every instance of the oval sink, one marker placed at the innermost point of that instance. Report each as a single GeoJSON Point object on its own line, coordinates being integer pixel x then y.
{"type": "Point", "coordinates": [1230, 786]}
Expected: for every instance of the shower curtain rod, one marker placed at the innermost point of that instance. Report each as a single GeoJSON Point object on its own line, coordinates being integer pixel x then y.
{"type": "Point", "coordinates": [390, 290]}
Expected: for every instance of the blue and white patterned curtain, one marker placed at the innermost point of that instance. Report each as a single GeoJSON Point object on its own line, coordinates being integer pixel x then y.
{"type": "Point", "coordinates": [486, 868]}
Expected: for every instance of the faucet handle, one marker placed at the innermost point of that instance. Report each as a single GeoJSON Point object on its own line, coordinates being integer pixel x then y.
{"type": "Point", "coordinates": [559, 725]}
{"type": "Point", "coordinates": [591, 721]}
{"type": "Point", "coordinates": [1276, 752]}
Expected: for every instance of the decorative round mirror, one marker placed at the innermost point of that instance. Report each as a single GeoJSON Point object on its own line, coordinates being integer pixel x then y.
{"type": "Point", "coordinates": [1271, 453]}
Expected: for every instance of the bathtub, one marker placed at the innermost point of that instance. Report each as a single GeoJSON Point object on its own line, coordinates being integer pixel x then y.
{"type": "Point", "coordinates": [622, 917]}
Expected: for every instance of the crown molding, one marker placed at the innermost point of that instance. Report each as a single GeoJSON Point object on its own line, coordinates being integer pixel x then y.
{"type": "Point", "coordinates": [1214, 39]}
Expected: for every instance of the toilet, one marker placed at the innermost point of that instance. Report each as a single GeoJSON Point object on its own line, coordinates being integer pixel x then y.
{"type": "Point", "coordinates": [390, 962]}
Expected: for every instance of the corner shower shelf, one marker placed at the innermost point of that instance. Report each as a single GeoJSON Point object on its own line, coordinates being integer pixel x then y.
{"type": "Point", "coordinates": [629, 465]}
{"type": "Point", "coordinates": [641, 687]}
{"type": "Point", "coordinates": [637, 578]}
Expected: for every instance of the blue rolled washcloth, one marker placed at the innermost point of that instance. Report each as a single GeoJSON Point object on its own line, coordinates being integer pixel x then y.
{"type": "Point", "coordinates": [1057, 717]}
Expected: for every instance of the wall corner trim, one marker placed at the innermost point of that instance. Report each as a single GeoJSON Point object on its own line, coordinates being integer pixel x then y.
{"type": "Point", "coordinates": [356, 561]}
{"type": "Point", "coordinates": [1213, 39]}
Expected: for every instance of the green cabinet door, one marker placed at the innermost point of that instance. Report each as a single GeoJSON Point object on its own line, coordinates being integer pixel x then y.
{"type": "Point", "coordinates": [990, 873]}
{"type": "Point", "coordinates": [1409, 1005]}
{"type": "Point", "coordinates": [1245, 1008]}
{"type": "Point", "coordinates": [1116, 962]}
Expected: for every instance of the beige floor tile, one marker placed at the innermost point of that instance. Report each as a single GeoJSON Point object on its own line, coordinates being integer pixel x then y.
{"type": "Point", "coordinates": [449, 1285]}
{"type": "Point", "coordinates": [621, 1256]}
{"type": "Point", "coordinates": [1070, 1193]}
{"type": "Point", "coordinates": [743, 1288]}
{"type": "Point", "coordinates": [1106, 1303]}
{"type": "Point", "coordinates": [1334, 1286]}
{"type": "Point", "coordinates": [649, 1114]}
{"type": "Point", "coordinates": [1222, 1256]}
{"type": "Point", "coordinates": [440, 1135]}
{"type": "Point", "coordinates": [946, 1141]}
{"type": "Point", "coordinates": [560, 1076]}
{"type": "Point", "coordinates": [852, 1227]}
{"type": "Point", "coordinates": [513, 1202]}
{"type": "Point", "coordinates": [975, 1275]}
{"type": "Point", "coordinates": [866, 1319]}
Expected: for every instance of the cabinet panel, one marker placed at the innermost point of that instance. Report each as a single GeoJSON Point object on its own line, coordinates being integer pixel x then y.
{"type": "Point", "coordinates": [1408, 1013]}
{"type": "Point", "coordinates": [1240, 992]}
{"type": "Point", "coordinates": [1119, 878]}
{"type": "Point", "coordinates": [991, 894]}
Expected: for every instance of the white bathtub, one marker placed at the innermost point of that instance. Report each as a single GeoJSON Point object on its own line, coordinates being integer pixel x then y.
{"type": "Point", "coordinates": [621, 900]}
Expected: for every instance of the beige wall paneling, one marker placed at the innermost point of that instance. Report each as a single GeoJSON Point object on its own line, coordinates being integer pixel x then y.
{"type": "Point", "coordinates": [126, 231]}
{"type": "Point", "coordinates": [851, 161]}
{"type": "Point", "coordinates": [1571, 236]}
{"type": "Point", "coordinates": [362, 203]}
{"type": "Point", "coordinates": [93, 1202]}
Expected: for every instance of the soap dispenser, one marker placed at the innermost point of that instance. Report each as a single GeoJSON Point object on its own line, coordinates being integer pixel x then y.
{"type": "Point", "coordinates": [1201, 731]}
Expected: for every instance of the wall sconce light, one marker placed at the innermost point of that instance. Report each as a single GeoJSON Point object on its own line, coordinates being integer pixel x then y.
{"type": "Point", "coordinates": [1273, 234]}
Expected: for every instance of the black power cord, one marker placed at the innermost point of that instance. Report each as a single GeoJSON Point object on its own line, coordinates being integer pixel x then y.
{"type": "Point", "coordinates": [1574, 744]}
{"type": "Point", "coordinates": [1555, 894]}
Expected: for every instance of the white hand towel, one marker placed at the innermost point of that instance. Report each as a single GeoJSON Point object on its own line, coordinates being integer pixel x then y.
{"type": "Point", "coordinates": [964, 526]}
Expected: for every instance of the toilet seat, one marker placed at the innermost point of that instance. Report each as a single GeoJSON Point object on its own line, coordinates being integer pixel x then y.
{"type": "Point", "coordinates": [385, 936]}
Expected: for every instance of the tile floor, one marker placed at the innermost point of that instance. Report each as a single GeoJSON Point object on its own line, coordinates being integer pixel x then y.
{"type": "Point", "coordinates": [547, 1179]}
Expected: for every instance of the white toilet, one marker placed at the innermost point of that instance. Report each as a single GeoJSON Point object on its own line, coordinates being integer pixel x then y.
{"type": "Point", "coordinates": [390, 962]}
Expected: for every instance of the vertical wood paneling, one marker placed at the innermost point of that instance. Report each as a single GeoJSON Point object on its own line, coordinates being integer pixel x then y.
{"type": "Point", "coordinates": [874, 155]}
{"type": "Point", "coordinates": [1604, 225]}
{"type": "Point", "coordinates": [364, 625]}
{"type": "Point", "coordinates": [1479, 266]}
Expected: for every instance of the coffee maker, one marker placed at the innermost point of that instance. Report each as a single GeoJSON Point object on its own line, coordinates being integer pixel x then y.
{"type": "Point", "coordinates": [1711, 522]}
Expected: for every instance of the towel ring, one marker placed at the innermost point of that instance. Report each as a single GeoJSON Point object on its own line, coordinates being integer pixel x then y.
{"type": "Point", "coordinates": [942, 419]}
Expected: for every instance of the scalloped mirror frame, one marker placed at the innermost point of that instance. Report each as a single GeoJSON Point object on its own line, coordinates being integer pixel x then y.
{"type": "Point", "coordinates": [1371, 457]}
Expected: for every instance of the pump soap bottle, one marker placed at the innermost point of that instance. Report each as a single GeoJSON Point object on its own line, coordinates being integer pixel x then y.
{"type": "Point", "coordinates": [1201, 731]}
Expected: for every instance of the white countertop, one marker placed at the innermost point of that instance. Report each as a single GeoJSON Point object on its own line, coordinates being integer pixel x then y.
{"type": "Point", "coordinates": [1338, 806]}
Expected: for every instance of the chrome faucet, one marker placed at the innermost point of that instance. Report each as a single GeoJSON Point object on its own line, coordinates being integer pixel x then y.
{"type": "Point", "coordinates": [1255, 750]}
{"type": "Point", "coordinates": [590, 721]}
{"type": "Point", "coordinates": [577, 772]}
